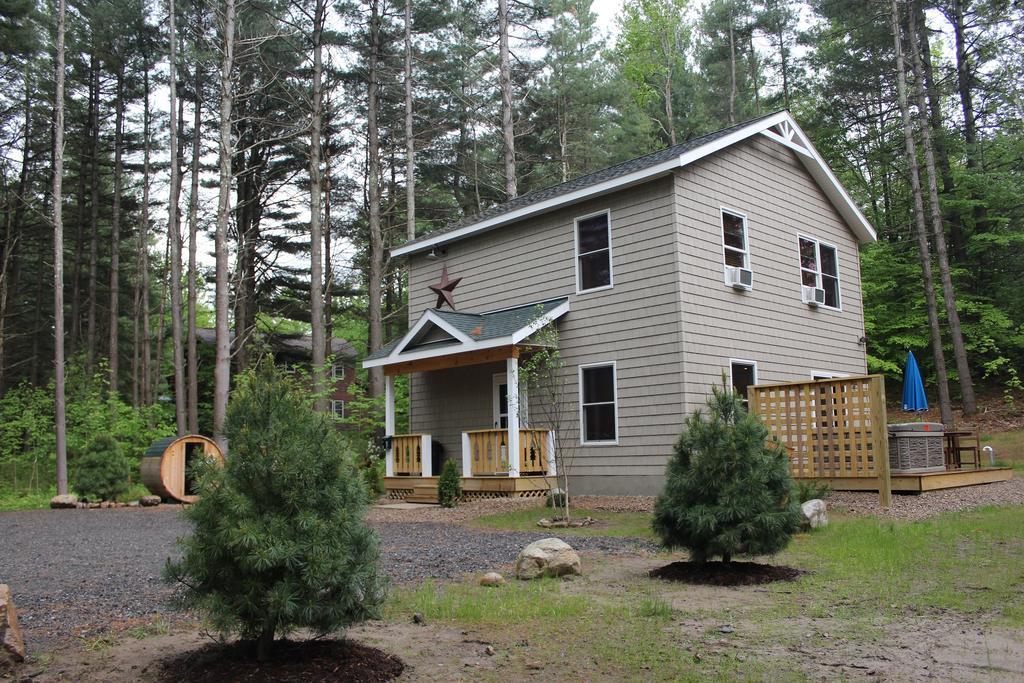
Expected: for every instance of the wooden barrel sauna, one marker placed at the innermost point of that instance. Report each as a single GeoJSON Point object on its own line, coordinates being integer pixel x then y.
{"type": "Point", "coordinates": [166, 466]}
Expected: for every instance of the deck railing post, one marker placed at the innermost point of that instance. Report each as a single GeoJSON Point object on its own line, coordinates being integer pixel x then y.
{"type": "Point", "coordinates": [426, 456]}
{"type": "Point", "coordinates": [512, 379]}
{"type": "Point", "coordinates": [389, 424]}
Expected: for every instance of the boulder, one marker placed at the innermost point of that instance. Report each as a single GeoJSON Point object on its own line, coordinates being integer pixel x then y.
{"type": "Point", "coordinates": [12, 645]}
{"type": "Point", "coordinates": [815, 514]}
{"type": "Point", "coordinates": [492, 579]}
{"type": "Point", "coordinates": [547, 557]}
{"type": "Point", "coordinates": [149, 501]}
{"type": "Point", "coordinates": [64, 501]}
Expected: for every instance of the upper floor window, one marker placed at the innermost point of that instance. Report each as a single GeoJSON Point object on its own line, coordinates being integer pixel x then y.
{"type": "Point", "coordinates": [593, 252]}
{"type": "Point", "coordinates": [819, 268]}
{"type": "Point", "coordinates": [338, 371]}
{"type": "Point", "coordinates": [734, 239]}
{"type": "Point", "coordinates": [598, 404]}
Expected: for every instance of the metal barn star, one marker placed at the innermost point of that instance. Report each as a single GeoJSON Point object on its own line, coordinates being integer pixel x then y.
{"type": "Point", "coordinates": [444, 289]}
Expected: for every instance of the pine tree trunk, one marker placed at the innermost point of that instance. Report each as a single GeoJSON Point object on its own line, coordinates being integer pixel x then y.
{"type": "Point", "coordinates": [222, 364]}
{"type": "Point", "coordinates": [376, 267]}
{"type": "Point", "coordinates": [146, 389]}
{"type": "Point", "coordinates": [921, 230]}
{"type": "Point", "coordinates": [193, 246]}
{"type": "Point", "coordinates": [115, 237]}
{"type": "Point", "coordinates": [732, 73]}
{"type": "Point", "coordinates": [316, 276]}
{"type": "Point", "coordinates": [328, 267]}
{"type": "Point", "coordinates": [410, 140]}
{"type": "Point", "coordinates": [94, 220]}
{"type": "Point", "coordinates": [963, 369]}
{"type": "Point", "coordinates": [60, 428]}
{"type": "Point", "coordinates": [505, 77]}
{"type": "Point", "coordinates": [174, 231]}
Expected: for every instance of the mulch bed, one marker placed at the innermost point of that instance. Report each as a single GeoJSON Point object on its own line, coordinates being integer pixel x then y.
{"type": "Point", "coordinates": [726, 573]}
{"type": "Point", "coordinates": [307, 660]}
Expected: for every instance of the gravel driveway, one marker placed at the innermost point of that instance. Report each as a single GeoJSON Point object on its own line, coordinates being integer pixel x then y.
{"type": "Point", "coordinates": [74, 572]}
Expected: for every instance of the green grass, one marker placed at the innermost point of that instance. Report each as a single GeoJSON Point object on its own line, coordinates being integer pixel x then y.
{"type": "Point", "coordinates": [1009, 448]}
{"type": "Point", "coordinates": [35, 500]}
{"type": "Point", "coordinates": [608, 523]}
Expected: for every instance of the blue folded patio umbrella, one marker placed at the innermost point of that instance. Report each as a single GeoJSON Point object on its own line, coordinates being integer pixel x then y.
{"type": "Point", "coordinates": [914, 399]}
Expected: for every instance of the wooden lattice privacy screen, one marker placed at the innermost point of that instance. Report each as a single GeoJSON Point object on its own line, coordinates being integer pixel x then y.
{"type": "Point", "coordinates": [833, 429]}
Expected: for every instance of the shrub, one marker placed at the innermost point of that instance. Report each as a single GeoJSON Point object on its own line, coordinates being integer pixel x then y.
{"type": "Point", "coordinates": [101, 472]}
{"type": "Point", "coordinates": [728, 490]}
{"type": "Point", "coordinates": [810, 489]}
{"type": "Point", "coordinates": [449, 488]}
{"type": "Point", "coordinates": [556, 498]}
{"type": "Point", "coordinates": [278, 539]}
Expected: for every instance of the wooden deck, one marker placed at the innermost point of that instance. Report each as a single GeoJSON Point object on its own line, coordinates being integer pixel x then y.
{"type": "Point", "coordinates": [424, 489]}
{"type": "Point", "coordinates": [907, 482]}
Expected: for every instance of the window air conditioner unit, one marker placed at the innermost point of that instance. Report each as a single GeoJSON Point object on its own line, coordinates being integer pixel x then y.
{"type": "Point", "coordinates": [812, 296]}
{"type": "Point", "coordinates": [739, 278]}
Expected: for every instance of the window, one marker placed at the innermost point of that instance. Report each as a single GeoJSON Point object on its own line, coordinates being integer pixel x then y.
{"type": "Point", "coordinates": [593, 252]}
{"type": "Point", "coordinates": [819, 267]}
{"type": "Point", "coordinates": [742, 374]}
{"type": "Point", "coordinates": [338, 371]}
{"type": "Point", "coordinates": [598, 409]}
{"type": "Point", "coordinates": [338, 408]}
{"type": "Point", "coordinates": [734, 239]}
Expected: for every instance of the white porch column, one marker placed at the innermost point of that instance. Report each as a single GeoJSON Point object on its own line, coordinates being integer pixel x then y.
{"type": "Point", "coordinates": [512, 378]}
{"type": "Point", "coordinates": [389, 423]}
{"type": "Point", "coordinates": [552, 468]}
{"type": "Point", "coordinates": [426, 456]}
{"type": "Point", "coordinates": [467, 456]}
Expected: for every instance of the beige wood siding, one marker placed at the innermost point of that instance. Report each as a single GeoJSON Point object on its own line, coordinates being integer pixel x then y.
{"type": "Point", "coordinates": [788, 339]}
{"type": "Point", "coordinates": [635, 323]}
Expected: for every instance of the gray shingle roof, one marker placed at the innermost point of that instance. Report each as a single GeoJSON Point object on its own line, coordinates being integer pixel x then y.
{"type": "Point", "coordinates": [605, 174]}
{"type": "Point", "coordinates": [485, 326]}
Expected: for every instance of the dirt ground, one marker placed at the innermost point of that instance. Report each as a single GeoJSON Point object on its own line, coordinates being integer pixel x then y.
{"type": "Point", "coordinates": [943, 646]}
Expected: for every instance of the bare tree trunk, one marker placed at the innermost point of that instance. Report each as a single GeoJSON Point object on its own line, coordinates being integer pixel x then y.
{"type": "Point", "coordinates": [376, 269]}
{"type": "Point", "coordinates": [115, 236]}
{"type": "Point", "coordinates": [146, 390]}
{"type": "Point", "coordinates": [505, 77]}
{"type": "Point", "coordinates": [316, 275]}
{"type": "Point", "coordinates": [222, 364]}
{"type": "Point", "coordinates": [410, 140]}
{"type": "Point", "coordinates": [193, 234]}
{"type": "Point", "coordinates": [328, 267]}
{"type": "Point", "coordinates": [732, 72]}
{"type": "Point", "coordinates": [59, 419]}
{"type": "Point", "coordinates": [670, 117]}
{"type": "Point", "coordinates": [161, 318]}
{"type": "Point", "coordinates": [963, 369]}
{"type": "Point", "coordinates": [919, 221]}
{"type": "Point", "coordinates": [174, 232]}
{"type": "Point", "coordinates": [94, 219]}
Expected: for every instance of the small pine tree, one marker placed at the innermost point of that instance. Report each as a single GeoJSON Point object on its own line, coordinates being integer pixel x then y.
{"type": "Point", "coordinates": [278, 539]}
{"type": "Point", "coordinates": [728, 490]}
{"type": "Point", "coordinates": [101, 473]}
{"type": "Point", "coordinates": [449, 488]}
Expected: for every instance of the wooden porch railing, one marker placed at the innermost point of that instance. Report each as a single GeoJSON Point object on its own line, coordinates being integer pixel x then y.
{"type": "Point", "coordinates": [489, 451]}
{"type": "Point", "coordinates": [833, 428]}
{"type": "Point", "coordinates": [407, 450]}
{"type": "Point", "coordinates": [533, 451]}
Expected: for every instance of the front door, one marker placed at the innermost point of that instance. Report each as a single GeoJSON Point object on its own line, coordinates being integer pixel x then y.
{"type": "Point", "coordinates": [500, 402]}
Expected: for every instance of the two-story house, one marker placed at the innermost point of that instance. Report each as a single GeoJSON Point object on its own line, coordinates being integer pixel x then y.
{"type": "Point", "coordinates": [731, 254]}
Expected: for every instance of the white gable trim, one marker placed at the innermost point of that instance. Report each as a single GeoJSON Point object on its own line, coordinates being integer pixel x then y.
{"type": "Point", "coordinates": [465, 343]}
{"type": "Point", "coordinates": [794, 138]}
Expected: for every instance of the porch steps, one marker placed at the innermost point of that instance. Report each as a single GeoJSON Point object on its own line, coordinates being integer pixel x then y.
{"type": "Point", "coordinates": [422, 493]}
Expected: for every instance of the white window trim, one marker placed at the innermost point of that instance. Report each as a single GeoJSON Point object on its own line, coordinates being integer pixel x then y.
{"type": "Point", "coordinates": [817, 263]}
{"type": "Point", "coordinates": [335, 374]}
{"type": "Point", "coordinates": [742, 361]}
{"type": "Point", "coordinates": [615, 402]}
{"type": "Point", "coordinates": [722, 210]}
{"type": "Point", "coordinates": [820, 375]}
{"type": "Point", "coordinates": [576, 251]}
{"type": "Point", "coordinates": [334, 411]}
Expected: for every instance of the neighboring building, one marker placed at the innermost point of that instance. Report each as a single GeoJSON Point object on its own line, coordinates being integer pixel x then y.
{"type": "Point", "coordinates": [732, 254]}
{"type": "Point", "coordinates": [295, 352]}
